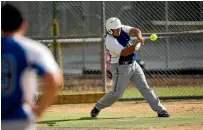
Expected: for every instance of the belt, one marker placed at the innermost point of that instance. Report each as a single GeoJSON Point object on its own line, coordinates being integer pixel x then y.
{"type": "Point", "coordinates": [125, 62]}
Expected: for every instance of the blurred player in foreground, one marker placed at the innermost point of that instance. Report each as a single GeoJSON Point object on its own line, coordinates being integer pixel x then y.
{"type": "Point", "coordinates": [21, 60]}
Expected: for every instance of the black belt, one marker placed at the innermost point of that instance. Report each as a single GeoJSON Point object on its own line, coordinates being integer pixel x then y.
{"type": "Point", "coordinates": [125, 62]}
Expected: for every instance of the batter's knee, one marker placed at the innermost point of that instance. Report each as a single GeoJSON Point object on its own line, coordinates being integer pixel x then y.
{"type": "Point", "coordinates": [116, 95]}
{"type": "Point", "coordinates": [144, 84]}
{"type": "Point", "coordinates": [146, 88]}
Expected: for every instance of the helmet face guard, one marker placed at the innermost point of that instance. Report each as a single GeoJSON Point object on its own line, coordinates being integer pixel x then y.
{"type": "Point", "coordinates": [113, 23]}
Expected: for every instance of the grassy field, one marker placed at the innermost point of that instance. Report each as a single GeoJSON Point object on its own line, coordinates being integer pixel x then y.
{"type": "Point", "coordinates": [115, 120]}
{"type": "Point", "coordinates": [123, 115]}
{"type": "Point", "coordinates": [133, 92]}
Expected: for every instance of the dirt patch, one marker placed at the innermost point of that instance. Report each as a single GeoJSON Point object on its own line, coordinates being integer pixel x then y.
{"type": "Point", "coordinates": [178, 127]}
{"type": "Point", "coordinates": [172, 107]}
{"type": "Point", "coordinates": [175, 127]}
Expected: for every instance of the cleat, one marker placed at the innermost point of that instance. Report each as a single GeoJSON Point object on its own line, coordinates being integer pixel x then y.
{"type": "Point", "coordinates": [163, 113]}
{"type": "Point", "coordinates": [94, 112]}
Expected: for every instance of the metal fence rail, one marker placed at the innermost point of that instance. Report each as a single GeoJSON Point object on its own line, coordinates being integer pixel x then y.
{"type": "Point", "coordinates": [75, 31]}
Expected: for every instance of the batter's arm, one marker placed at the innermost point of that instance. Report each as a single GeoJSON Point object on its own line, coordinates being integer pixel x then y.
{"type": "Point", "coordinates": [128, 50]}
{"type": "Point", "coordinates": [136, 32]}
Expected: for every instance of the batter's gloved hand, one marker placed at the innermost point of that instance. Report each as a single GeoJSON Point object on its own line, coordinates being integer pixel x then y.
{"type": "Point", "coordinates": [140, 39]}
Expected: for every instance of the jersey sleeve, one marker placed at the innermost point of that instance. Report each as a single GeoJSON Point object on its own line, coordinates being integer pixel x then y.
{"type": "Point", "coordinates": [113, 46]}
{"type": "Point", "coordinates": [126, 28]}
{"type": "Point", "coordinates": [38, 56]}
{"type": "Point", "coordinates": [45, 62]}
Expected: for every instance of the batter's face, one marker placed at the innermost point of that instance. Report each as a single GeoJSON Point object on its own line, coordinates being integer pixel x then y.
{"type": "Point", "coordinates": [116, 32]}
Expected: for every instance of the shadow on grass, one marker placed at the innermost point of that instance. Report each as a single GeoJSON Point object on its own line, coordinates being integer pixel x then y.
{"type": "Point", "coordinates": [80, 119]}
{"type": "Point", "coordinates": [52, 122]}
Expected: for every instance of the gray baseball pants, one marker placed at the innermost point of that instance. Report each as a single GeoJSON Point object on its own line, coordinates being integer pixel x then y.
{"type": "Point", "coordinates": [121, 74]}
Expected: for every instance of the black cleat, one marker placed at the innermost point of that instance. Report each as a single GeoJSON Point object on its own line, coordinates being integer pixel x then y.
{"type": "Point", "coordinates": [94, 112]}
{"type": "Point", "coordinates": [163, 113]}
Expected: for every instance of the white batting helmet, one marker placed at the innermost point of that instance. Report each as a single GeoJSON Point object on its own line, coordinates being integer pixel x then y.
{"type": "Point", "coordinates": [112, 23]}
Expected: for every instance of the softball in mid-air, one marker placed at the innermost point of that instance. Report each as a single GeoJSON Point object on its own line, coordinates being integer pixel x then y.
{"type": "Point", "coordinates": [153, 37]}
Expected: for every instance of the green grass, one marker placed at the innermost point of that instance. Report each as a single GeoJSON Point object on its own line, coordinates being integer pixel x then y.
{"type": "Point", "coordinates": [179, 91]}
{"type": "Point", "coordinates": [116, 120]}
{"type": "Point", "coordinates": [161, 91]}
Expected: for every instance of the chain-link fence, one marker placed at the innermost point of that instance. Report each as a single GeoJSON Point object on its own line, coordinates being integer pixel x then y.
{"type": "Point", "coordinates": [173, 64]}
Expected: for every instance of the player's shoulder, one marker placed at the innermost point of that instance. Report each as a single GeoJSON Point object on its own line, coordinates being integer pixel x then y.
{"type": "Point", "coordinates": [32, 48]}
{"type": "Point", "coordinates": [126, 28]}
{"type": "Point", "coordinates": [109, 38]}
{"type": "Point", "coordinates": [30, 45]}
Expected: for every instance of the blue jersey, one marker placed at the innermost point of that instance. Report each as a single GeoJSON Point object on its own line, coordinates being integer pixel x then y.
{"type": "Point", "coordinates": [125, 41]}
{"type": "Point", "coordinates": [21, 60]}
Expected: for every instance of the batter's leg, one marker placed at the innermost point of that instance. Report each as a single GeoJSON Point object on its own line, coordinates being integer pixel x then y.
{"type": "Point", "coordinates": [139, 80]}
{"type": "Point", "coordinates": [120, 76]}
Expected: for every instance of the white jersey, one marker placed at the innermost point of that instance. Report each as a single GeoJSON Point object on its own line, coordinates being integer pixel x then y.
{"type": "Point", "coordinates": [113, 46]}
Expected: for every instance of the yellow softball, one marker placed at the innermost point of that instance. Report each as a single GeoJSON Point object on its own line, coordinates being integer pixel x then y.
{"type": "Point", "coordinates": [153, 37]}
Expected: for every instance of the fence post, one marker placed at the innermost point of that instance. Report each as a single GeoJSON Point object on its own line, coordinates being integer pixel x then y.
{"type": "Point", "coordinates": [54, 30]}
{"type": "Point", "coordinates": [103, 54]}
{"type": "Point", "coordinates": [167, 40]}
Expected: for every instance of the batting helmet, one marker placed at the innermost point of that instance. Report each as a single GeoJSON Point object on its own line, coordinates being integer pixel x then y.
{"type": "Point", "coordinates": [113, 23]}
